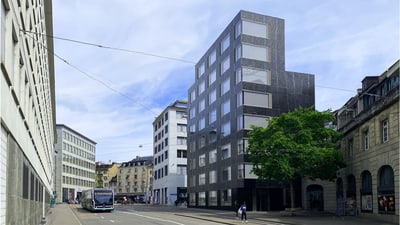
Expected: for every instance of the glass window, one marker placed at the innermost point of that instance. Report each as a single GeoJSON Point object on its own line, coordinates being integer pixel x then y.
{"type": "Point", "coordinates": [238, 75]}
{"type": "Point", "coordinates": [255, 29]}
{"type": "Point", "coordinates": [256, 99]}
{"type": "Point", "coordinates": [225, 43]}
{"type": "Point", "coordinates": [239, 98]}
{"type": "Point", "coordinates": [240, 122]}
{"type": "Point", "coordinates": [202, 87]}
{"type": "Point", "coordinates": [240, 171]}
{"type": "Point", "coordinates": [201, 69]}
{"type": "Point", "coordinates": [192, 112]}
{"type": "Point", "coordinates": [366, 140]}
{"type": "Point", "coordinates": [181, 169]}
{"type": "Point", "coordinates": [226, 174]}
{"type": "Point", "coordinates": [212, 177]}
{"type": "Point", "coordinates": [255, 120]}
{"type": "Point", "coordinates": [385, 131]}
{"type": "Point", "coordinates": [226, 152]}
{"type": "Point", "coordinates": [212, 116]}
{"type": "Point", "coordinates": [238, 29]}
{"type": "Point", "coordinates": [212, 97]}
{"type": "Point", "coordinates": [202, 123]}
{"type": "Point", "coordinates": [212, 156]}
{"type": "Point", "coordinates": [256, 76]}
{"type": "Point", "coordinates": [212, 77]}
{"type": "Point", "coordinates": [212, 57]}
{"type": "Point", "coordinates": [226, 129]}
{"type": "Point", "coordinates": [260, 53]}
{"type": "Point", "coordinates": [192, 128]}
{"type": "Point", "coordinates": [202, 160]}
{"type": "Point", "coordinates": [238, 52]}
{"type": "Point", "coordinates": [225, 107]}
{"type": "Point", "coordinates": [350, 148]}
{"type": "Point", "coordinates": [226, 197]}
{"type": "Point", "coordinates": [225, 86]}
{"type": "Point", "coordinates": [202, 198]}
{"type": "Point", "coordinates": [202, 179]}
{"type": "Point", "coordinates": [202, 105]}
{"type": "Point", "coordinates": [225, 64]}
{"type": "Point", "coordinates": [193, 95]}
{"type": "Point", "coordinates": [212, 198]}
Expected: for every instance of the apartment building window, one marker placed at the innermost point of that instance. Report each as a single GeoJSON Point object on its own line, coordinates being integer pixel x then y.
{"type": "Point", "coordinates": [385, 131]}
{"type": "Point", "coordinates": [238, 29]}
{"type": "Point", "coordinates": [202, 160]}
{"type": "Point", "coordinates": [226, 129]}
{"type": "Point", "coordinates": [226, 174]}
{"type": "Point", "coordinates": [166, 154]}
{"type": "Point", "coordinates": [212, 156]}
{"type": "Point", "coordinates": [192, 128]}
{"type": "Point", "coordinates": [193, 95]}
{"type": "Point", "coordinates": [238, 53]}
{"type": "Point", "coordinates": [212, 198]}
{"type": "Point", "coordinates": [225, 86]}
{"type": "Point", "coordinates": [256, 99]}
{"type": "Point", "coordinates": [256, 76]}
{"type": "Point", "coordinates": [225, 64]}
{"type": "Point", "coordinates": [202, 198]}
{"type": "Point", "coordinates": [202, 179]}
{"type": "Point", "coordinates": [240, 122]}
{"type": "Point", "coordinates": [166, 129]}
{"type": "Point", "coordinates": [226, 152]}
{"type": "Point", "coordinates": [350, 148]}
{"type": "Point", "coordinates": [255, 29]}
{"type": "Point", "coordinates": [201, 69]}
{"type": "Point", "coordinates": [212, 97]}
{"type": "Point", "coordinates": [181, 153]}
{"type": "Point", "coordinates": [202, 123]}
{"type": "Point", "coordinates": [166, 141]}
{"type": "Point", "coordinates": [181, 127]}
{"type": "Point", "coordinates": [202, 105]}
{"type": "Point", "coordinates": [225, 107]}
{"type": "Point", "coordinates": [181, 169]}
{"type": "Point", "coordinates": [225, 43]}
{"type": "Point", "coordinates": [202, 87]}
{"type": "Point", "coordinates": [366, 140]}
{"type": "Point", "coordinates": [212, 57]}
{"type": "Point", "coordinates": [181, 140]}
{"type": "Point", "coordinates": [226, 197]}
{"type": "Point", "coordinates": [212, 116]}
{"type": "Point", "coordinates": [212, 77]}
{"type": "Point", "coordinates": [212, 179]}
{"type": "Point", "coordinates": [192, 199]}
{"type": "Point", "coordinates": [192, 112]}
{"type": "Point", "coordinates": [261, 53]}
{"type": "Point", "coordinates": [166, 116]}
{"type": "Point", "coordinates": [166, 170]}
{"type": "Point", "coordinates": [240, 171]}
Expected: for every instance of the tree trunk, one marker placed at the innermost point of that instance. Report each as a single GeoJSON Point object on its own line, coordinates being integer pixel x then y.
{"type": "Point", "coordinates": [291, 197]}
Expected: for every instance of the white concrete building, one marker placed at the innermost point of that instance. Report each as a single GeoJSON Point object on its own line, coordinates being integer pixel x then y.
{"type": "Point", "coordinates": [75, 165]}
{"type": "Point", "coordinates": [27, 110]}
{"type": "Point", "coordinates": [170, 157]}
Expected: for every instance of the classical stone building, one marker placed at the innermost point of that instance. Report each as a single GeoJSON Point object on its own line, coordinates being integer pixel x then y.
{"type": "Point", "coordinates": [135, 179]}
{"type": "Point", "coordinates": [369, 184]}
{"type": "Point", "coordinates": [104, 174]}
{"type": "Point", "coordinates": [27, 110]}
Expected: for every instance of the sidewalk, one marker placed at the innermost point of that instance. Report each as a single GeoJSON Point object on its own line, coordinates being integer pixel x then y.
{"type": "Point", "coordinates": [61, 214]}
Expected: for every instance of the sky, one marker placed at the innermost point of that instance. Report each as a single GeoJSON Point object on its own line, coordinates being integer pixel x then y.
{"type": "Point", "coordinates": [119, 64]}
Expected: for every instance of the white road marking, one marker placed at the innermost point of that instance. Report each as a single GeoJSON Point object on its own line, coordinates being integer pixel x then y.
{"type": "Point", "coordinates": [153, 218]}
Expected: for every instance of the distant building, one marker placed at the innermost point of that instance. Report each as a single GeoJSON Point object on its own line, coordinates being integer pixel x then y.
{"type": "Point", "coordinates": [240, 81]}
{"type": "Point", "coordinates": [369, 123]}
{"type": "Point", "coordinates": [27, 111]}
{"type": "Point", "coordinates": [75, 165]}
{"type": "Point", "coordinates": [135, 179]}
{"type": "Point", "coordinates": [104, 174]}
{"type": "Point", "coordinates": [170, 154]}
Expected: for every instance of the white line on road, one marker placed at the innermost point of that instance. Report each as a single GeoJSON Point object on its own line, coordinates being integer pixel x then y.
{"type": "Point", "coordinates": [153, 218]}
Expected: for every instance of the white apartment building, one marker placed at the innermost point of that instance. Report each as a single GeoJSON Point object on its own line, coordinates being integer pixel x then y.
{"type": "Point", "coordinates": [170, 157]}
{"type": "Point", "coordinates": [75, 165]}
{"type": "Point", "coordinates": [27, 110]}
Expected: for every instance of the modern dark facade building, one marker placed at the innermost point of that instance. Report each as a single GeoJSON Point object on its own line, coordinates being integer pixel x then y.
{"type": "Point", "coordinates": [240, 81]}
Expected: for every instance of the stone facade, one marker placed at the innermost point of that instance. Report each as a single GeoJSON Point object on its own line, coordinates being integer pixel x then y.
{"type": "Point", "coordinates": [105, 173]}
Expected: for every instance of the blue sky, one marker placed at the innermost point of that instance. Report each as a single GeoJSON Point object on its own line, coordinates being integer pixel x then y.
{"type": "Point", "coordinates": [113, 96]}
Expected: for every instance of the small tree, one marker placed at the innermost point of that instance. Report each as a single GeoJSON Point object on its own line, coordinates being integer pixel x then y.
{"type": "Point", "coordinates": [294, 145]}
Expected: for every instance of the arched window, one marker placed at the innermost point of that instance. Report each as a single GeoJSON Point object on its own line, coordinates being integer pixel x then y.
{"type": "Point", "coordinates": [366, 192]}
{"type": "Point", "coordinates": [386, 196]}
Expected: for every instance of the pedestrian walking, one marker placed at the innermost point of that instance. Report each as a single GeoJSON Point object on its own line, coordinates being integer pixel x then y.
{"type": "Point", "coordinates": [243, 209]}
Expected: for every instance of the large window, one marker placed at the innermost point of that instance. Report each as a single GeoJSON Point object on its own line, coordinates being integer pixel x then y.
{"type": "Point", "coordinates": [193, 95]}
{"type": "Point", "coordinates": [202, 179]}
{"type": "Point", "coordinates": [192, 112]}
{"type": "Point", "coordinates": [366, 192]}
{"type": "Point", "coordinates": [386, 194]}
{"type": "Point", "coordinates": [212, 116]}
{"type": "Point", "coordinates": [256, 76]}
{"type": "Point", "coordinates": [202, 105]}
{"type": "Point", "coordinates": [212, 57]}
{"type": "Point", "coordinates": [238, 53]}
{"type": "Point", "coordinates": [225, 86]}
{"type": "Point", "coordinates": [201, 69]}
{"type": "Point", "coordinates": [255, 120]}
{"type": "Point", "coordinates": [212, 156]}
{"type": "Point", "coordinates": [254, 29]}
{"type": "Point", "coordinates": [212, 77]}
{"type": "Point", "coordinates": [180, 153]}
{"type": "Point", "coordinates": [226, 151]}
{"type": "Point", "coordinates": [257, 99]}
{"type": "Point", "coordinates": [181, 169]}
{"type": "Point", "coordinates": [212, 198]}
{"type": "Point", "coordinates": [202, 123]}
{"type": "Point", "coordinates": [226, 197]}
{"type": "Point", "coordinates": [202, 87]}
{"type": "Point", "coordinates": [225, 107]}
{"type": "Point", "coordinates": [226, 129]}
{"type": "Point", "coordinates": [260, 53]}
{"type": "Point", "coordinates": [225, 43]}
{"type": "Point", "coordinates": [225, 64]}
{"type": "Point", "coordinates": [202, 160]}
{"type": "Point", "coordinates": [212, 177]}
{"type": "Point", "coordinates": [212, 97]}
{"type": "Point", "coordinates": [226, 174]}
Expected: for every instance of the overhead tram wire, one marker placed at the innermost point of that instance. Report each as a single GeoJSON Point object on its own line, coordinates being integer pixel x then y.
{"type": "Point", "coordinates": [135, 52]}
{"type": "Point", "coordinates": [92, 77]}
{"type": "Point", "coordinates": [109, 47]}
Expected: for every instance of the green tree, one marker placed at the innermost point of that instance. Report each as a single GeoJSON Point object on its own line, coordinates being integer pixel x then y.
{"type": "Point", "coordinates": [294, 145]}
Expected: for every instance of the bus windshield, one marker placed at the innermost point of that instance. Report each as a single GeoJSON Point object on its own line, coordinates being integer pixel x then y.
{"type": "Point", "coordinates": [103, 197]}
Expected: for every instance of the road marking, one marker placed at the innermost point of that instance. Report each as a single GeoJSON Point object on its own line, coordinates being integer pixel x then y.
{"type": "Point", "coordinates": [153, 218]}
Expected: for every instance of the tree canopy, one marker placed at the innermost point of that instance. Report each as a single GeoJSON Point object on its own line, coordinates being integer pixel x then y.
{"type": "Point", "coordinates": [296, 144]}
